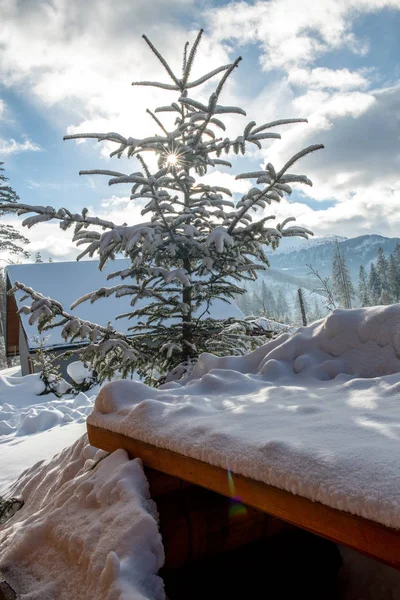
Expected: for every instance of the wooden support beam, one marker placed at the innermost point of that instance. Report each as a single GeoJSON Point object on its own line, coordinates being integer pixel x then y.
{"type": "Point", "coordinates": [365, 536]}
{"type": "Point", "coordinates": [12, 325]}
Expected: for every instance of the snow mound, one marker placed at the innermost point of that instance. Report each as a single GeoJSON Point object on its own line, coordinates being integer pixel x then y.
{"type": "Point", "coordinates": [316, 413]}
{"type": "Point", "coordinates": [88, 529]}
{"type": "Point", "coordinates": [18, 391]}
{"type": "Point", "coordinates": [19, 420]}
{"type": "Point", "coordinates": [78, 372]}
{"type": "Point", "coordinates": [24, 412]}
{"type": "Point", "coordinates": [363, 342]}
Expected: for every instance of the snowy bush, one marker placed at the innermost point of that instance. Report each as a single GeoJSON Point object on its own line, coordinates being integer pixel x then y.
{"type": "Point", "coordinates": [197, 243]}
{"type": "Point", "coordinates": [50, 370]}
{"type": "Point", "coordinates": [83, 377]}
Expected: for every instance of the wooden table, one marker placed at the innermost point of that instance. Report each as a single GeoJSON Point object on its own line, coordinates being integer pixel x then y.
{"type": "Point", "coordinates": [365, 536]}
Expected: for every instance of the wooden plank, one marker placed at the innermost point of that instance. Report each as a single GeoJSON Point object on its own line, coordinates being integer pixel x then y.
{"type": "Point", "coordinates": [12, 327]}
{"type": "Point", "coordinates": [365, 536]}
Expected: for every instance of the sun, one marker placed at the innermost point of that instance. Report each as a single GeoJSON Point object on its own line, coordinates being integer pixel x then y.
{"type": "Point", "coordinates": [171, 160]}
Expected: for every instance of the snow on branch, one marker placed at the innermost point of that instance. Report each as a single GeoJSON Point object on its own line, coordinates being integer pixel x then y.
{"type": "Point", "coordinates": [46, 213]}
{"type": "Point", "coordinates": [104, 342]}
{"type": "Point", "coordinates": [297, 157]}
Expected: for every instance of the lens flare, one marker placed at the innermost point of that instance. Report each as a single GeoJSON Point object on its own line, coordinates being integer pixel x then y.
{"type": "Point", "coordinates": [236, 509]}
{"type": "Point", "coordinates": [171, 160]}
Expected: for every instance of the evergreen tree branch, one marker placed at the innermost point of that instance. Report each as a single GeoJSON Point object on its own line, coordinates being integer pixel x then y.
{"type": "Point", "coordinates": [157, 121]}
{"type": "Point", "coordinates": [162, 61]}
{"type": "Point", "coordinates": [185, 49]}
{"type": "Point", "coordinates": [191, 59]}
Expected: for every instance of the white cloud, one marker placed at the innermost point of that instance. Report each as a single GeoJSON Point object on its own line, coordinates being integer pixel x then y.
{"type": "Point", "coordinates": [367, 211]}
{"type": "Point", "coordinates": [324, 78]}
{"type": "Point", "coordinates": [121, 209]}
{"type": "Point", "coordinates": [322, 108]}
{"type": "Point", "coordinates": [47, 238]}
{"type": "Point", "coordinates": [84, 82]}
{"type": "Point", "coordinates": [236, 186]}
{"type": "Point", "coordinates": [361, 138]}
{"type": "Point", "coordinates": [8, 147]}
{"type": "Point", "coordinates": [291, 33]}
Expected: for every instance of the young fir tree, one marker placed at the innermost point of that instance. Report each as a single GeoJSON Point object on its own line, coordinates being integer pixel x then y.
{"type": "Point", "coordinates": [282, 307]}
{"type": "Point", "coordinates": [394, 280]}
{"type": "Point", "coordinates": [263, 301]}
{"type": "Point", "coordinates": [396, 256]}
{"type": "Point", "coordinates": [374, 286]}
{"type": "Point", "coordinates": [38, 258]}
{"type": "Point", "coordinates": [10, 240]}
{"type": "Point", "coordinates": [363, 293]}
{"type": "Point", "coordinates": [270, 303]}
{"type": "Point", "coordinates": [197, 243]}
{"type": "Point", "coordinates": [341, 280]}
{"type": "Point", "coordinates": [316, 312]}
{"type": "Point", "coordinates": [382, 270]}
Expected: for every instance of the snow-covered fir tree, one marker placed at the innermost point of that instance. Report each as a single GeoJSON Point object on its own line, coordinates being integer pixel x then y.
{"type": "Point", "coordinates": [197, 243]}
{"type": "Point", "coordinates": [259, 300]}
{"type": "Point", "coordinates": [316, 311]}
{"type": "Point", "coordinates": [38, 258]}
{"type": "Point", "coordinates": [396, 256]}
{"type": "Point", "coordinates": [11, 241]}
{"type": "Point", "coordinates": [363, 292]}
{"type": "Point", "coordinates": [374, 286]}
{"type": "Point", "coordinates": [341, 280]}
{"type": "Point", "coordinates": [282, 307]}
{"type": "Point", "coordinates": [270, 302]}
{"type": "Point", "coordinates": [383, 284]}
{"type": "Point", "coordinates": [382, 270]}
{"type": "Point", "coordinates": [394, 279]}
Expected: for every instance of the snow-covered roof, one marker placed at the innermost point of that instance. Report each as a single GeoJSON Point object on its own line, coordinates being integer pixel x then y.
{"type": "Point", "coordinates": [67, 281]}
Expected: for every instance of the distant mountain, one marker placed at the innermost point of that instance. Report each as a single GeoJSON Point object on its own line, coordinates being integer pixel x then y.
{"type": "Point", "coordinates": [361, 250]}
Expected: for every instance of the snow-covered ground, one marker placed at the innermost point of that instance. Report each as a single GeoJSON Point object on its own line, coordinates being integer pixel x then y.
{"type": "Point", "coordinates": [35, 427]}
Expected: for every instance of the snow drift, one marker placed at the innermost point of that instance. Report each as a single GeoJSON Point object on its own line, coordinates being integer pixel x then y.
{"type": "Point", "coordinates": [362, 342]}
{"type": "Point", "coordinates": [316, 413]}
{"type": "Point", "coordinates": [88, 529]}
{"type": "Point", "coordinates": [34, 427]}
{"type": "Point", "coordinates": [23, 411]}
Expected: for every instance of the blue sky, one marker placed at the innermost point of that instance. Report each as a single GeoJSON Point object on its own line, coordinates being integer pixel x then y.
{"type": "Point", "coordinates": [67, 66]}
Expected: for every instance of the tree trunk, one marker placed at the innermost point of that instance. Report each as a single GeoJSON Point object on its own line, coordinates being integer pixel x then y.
{"type": "Point", "coordinates": [302, 309]}
{"type": "Point", "coordinates": [187, 326]}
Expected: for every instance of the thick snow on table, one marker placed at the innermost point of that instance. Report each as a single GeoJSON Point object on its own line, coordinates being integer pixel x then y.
{"type": "Point", "coordinates": [316, 413]}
